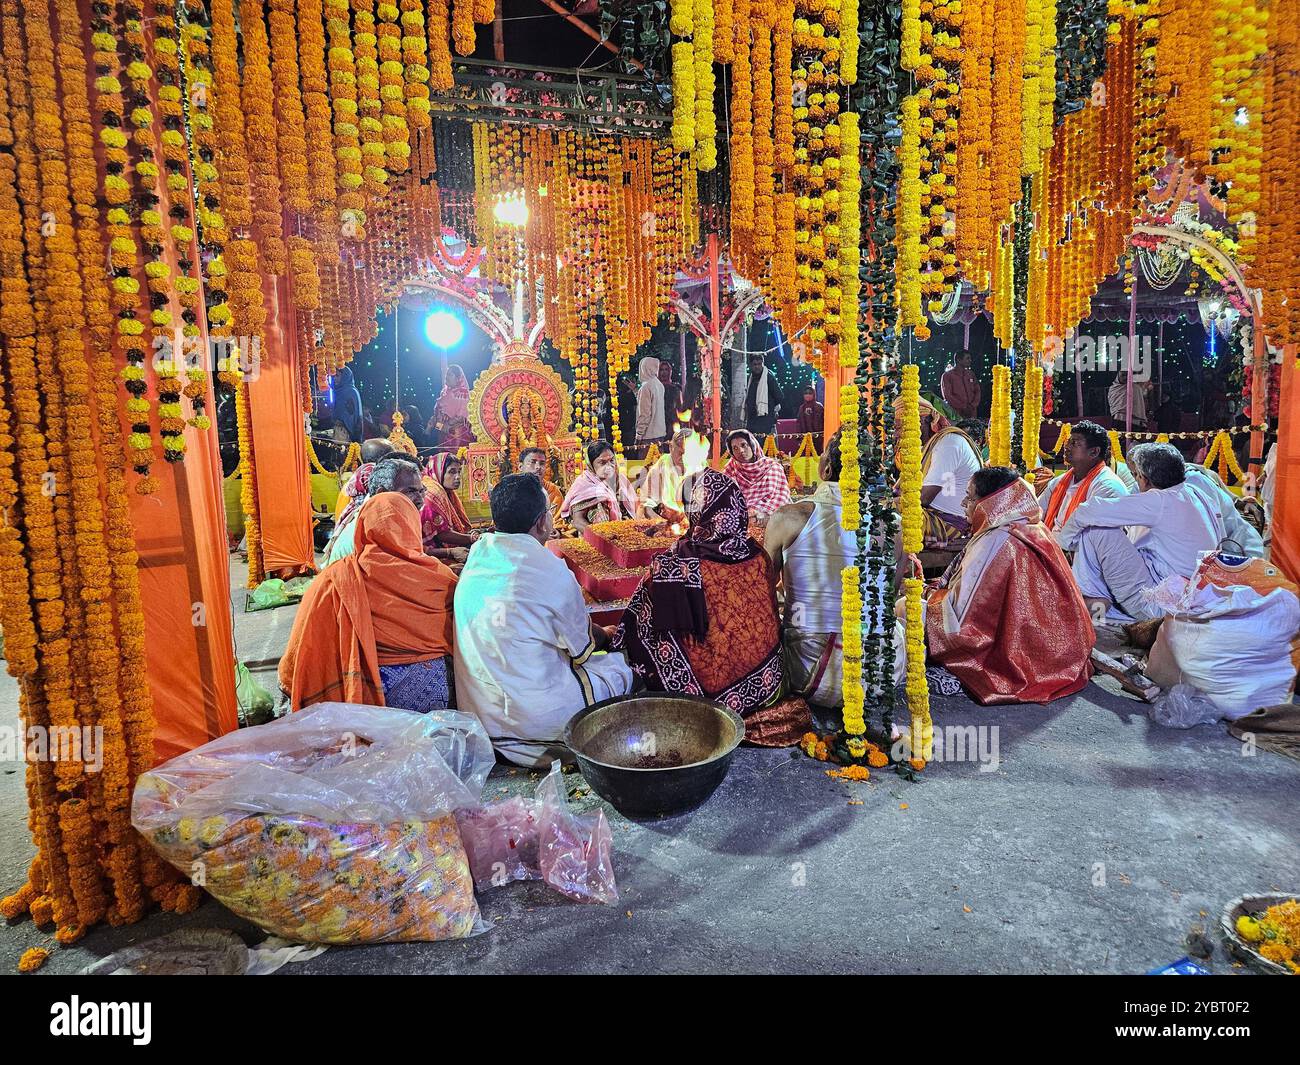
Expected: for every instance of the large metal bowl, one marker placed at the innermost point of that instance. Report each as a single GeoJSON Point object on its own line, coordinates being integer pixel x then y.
{"type": "Point", "coordinates": [654, 754]}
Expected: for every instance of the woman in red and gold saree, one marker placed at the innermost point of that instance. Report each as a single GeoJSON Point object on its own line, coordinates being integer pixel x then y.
{"type": "Point", "coordinates": [704, 621]}
{"type": "Point", "coordinates": [1008, 620]}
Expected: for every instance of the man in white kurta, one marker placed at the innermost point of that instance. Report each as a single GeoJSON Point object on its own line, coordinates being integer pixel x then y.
{"type": "Point", "coordinates": [1124, 547]}
{"type": "Point", "coordinates": [527, 655]}
{"type": "Point", "coordinates": [1087, 451]}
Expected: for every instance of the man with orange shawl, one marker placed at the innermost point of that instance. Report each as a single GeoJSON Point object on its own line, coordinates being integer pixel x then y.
{"type": "Point", "coordinates": [1087, 452]}
{"type": "Point", "coordinates": [1007, 619]}
{"type": "Point", "coordinates": [376, 626]}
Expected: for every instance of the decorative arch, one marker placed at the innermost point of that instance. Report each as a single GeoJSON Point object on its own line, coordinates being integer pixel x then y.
{"type": "Point", "coordinates": [1230, 269]}
{"type": "Point", "coordinates": [480, 307]}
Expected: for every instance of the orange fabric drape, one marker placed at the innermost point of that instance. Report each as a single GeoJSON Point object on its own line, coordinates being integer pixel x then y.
{"type": "Point", "coordinates": [1286, 495]}
{"type": "Point", "coordinates": [283, 481]}
{"type": "Point", "coordinates": [180, 535]}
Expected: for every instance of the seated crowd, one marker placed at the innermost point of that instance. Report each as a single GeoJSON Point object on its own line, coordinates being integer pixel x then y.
{"type": "Point", "coordinates": [504, 631]}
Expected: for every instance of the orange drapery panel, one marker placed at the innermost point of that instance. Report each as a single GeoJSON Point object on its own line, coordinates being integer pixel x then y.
{"type": "Point", "coordinates": [1286, 495]}
{"type": "Point", "coordinates": [180, 534]}
{"type": "Point", "coordinates": [279, 448]}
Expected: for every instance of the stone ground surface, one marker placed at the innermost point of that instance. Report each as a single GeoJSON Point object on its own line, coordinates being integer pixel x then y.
{"type": "Point", "coordinates": [785, 870]}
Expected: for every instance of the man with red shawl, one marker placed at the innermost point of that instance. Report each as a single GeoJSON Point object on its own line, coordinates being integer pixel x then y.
{"type": "Point", "coordinates": [1007, 619]}
{"type": "Point", "coordinates": [762, 480]}
{"type": "Point", "coordinates": [704, 621]}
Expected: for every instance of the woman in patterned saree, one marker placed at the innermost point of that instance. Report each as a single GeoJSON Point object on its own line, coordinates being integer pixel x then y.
{"type": "Point", "coordinates": [704, 621]}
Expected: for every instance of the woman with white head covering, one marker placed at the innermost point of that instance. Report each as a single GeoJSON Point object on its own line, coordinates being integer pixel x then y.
{"type": "Point", "coordinates": [651, 423]}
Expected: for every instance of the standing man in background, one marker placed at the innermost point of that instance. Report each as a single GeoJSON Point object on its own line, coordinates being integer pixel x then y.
{"type": "Point", "coordinates": [763, 398]}
{"type": "Point", "coordinates": [812, 415]}
{"type": "Point", "coordinates": [960, 387]}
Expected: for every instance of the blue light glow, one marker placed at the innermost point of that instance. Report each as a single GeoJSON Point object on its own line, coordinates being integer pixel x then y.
{"type": "Point", "coordinates": [444, 329]}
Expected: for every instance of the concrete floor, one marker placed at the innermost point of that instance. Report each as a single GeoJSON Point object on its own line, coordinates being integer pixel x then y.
{"type": "Point", "coordinates": [1099, 842]}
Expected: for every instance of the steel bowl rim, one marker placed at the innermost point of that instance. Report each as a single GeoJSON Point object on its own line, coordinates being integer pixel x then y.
{"type": "Point", "coordinates": [737, 722]}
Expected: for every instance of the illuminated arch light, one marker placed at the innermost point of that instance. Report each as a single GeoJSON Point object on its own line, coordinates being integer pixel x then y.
{"type": "Point", "coordinates": [444, 329]}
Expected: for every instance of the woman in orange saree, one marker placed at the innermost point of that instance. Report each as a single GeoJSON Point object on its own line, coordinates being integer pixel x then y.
{"type": "Point", "coordinates": [375, 627]}
{"type": "Point", "coordinates": [1007, 619]}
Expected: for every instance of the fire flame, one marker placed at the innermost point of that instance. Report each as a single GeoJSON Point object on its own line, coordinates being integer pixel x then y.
{"type": "Point", "coordinates": [695, 455]}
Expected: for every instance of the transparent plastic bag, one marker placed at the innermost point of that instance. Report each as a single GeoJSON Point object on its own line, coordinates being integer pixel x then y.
{"type": "Point", "coordinates": [1184, 707]}
{"type": "Point", "coordinates": [331, 825]}
{"type": "Point", "coordinates": [574, 849]}
{"type": "Point", "coordinates": [501, 841]}
{"type": "Point", "coordinates": [541, 839]}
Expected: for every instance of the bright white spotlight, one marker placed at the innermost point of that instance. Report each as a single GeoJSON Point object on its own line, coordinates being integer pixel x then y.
{"type": "Point", "coordinates": [511, 211]}
{"type": "Point", "coordinates": [444, 329]}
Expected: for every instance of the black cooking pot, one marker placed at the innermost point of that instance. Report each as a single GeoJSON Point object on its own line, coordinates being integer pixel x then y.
{"type": "Point", "coordinates": [652, 753]}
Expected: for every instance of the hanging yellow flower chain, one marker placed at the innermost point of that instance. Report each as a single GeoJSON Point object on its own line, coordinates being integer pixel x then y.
{"type": "Point", "coordinates": [909, 451]}
{"type": "Point", "coordinates": [918, 688]}
{"type": "Point", "coordinates": [1031, 416]}
{"type": "Point", "coordinates": [1000, 417]}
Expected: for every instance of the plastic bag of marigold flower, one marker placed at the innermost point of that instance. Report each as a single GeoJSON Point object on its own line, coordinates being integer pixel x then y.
{"type": "Point", "coordinates": [331, 825]}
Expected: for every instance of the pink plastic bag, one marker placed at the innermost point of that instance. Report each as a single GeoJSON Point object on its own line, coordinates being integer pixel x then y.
{"type": "Point", "coordinates": [501, 841]}
{"type": "Point", "coordinates": [541, 839]}
{"type": "Point", "coordinates": [574, 849]}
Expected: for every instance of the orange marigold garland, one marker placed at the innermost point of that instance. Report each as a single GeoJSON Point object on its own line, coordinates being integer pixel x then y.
{"type": "Point", "coordinates": [392, 89]}
{"type": "Point", "coordinates": [258, 102]}
{"type": "Point", "coordinates": [291, 122]}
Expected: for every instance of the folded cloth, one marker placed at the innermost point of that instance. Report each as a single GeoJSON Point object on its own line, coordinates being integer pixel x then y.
{"type": "Point", "coordinates": [1274, 728]}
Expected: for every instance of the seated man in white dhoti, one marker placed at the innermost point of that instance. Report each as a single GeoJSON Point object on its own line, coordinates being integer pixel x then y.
{"type": "Point", "coordinates": [809, 549]}
{"type": "Point", "coordinates": [1124, 547]}
{"type": "Point", "coordinates": [528, 656]}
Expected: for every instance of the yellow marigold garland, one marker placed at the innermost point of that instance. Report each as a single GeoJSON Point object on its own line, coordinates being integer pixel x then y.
{"type": "Point", "coordinates": [909, 460]}
{"type": "Point", "coordinates": [1031, 416]}
{"type": "Point", "coordinates": [909, 224]}
{"type": "Point", "coordinates": [706, 148]}
{"type": "Point", "coordinates": [1000, 417]}
{"type": "Point", "coordinates": [921, 736]}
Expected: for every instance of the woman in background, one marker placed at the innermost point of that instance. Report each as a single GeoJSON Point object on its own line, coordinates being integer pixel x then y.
{"type": "Point", "coordinates": [449, 424]}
